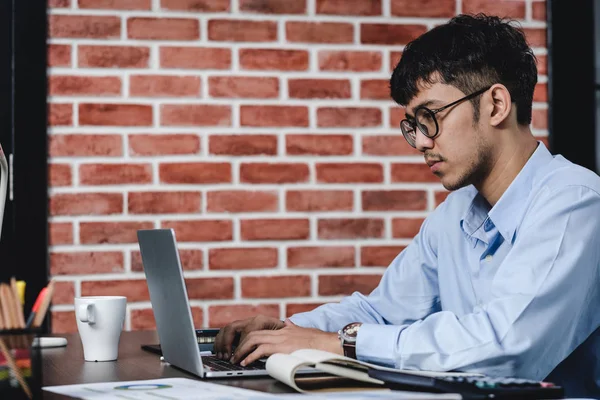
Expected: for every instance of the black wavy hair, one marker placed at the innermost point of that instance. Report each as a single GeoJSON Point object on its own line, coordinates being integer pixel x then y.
{"type": "Point", "coordinates": [469, 52]}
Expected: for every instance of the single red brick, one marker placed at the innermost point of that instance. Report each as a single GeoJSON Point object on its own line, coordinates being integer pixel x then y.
{"type": "Point", "coordinates": [275, 229]}
{"type": "Point", "coordinates": [387, 145]}
{"type": "Point", "coordinates": [68, 85]}
{"type": "Point", "coordinates": [115, 174]}
{"type": "Point", "coordinates": [86, 204]}
{"type": "Point", "coordinates": [542, 64]}
{"type": "Point", "coordinates": [201, 230]}
{"type": "Point", "coordinates": [428, 9]}
{"type": "Point", "coordinates": [115, 114]}
{"type": "Point", "coordinates": [323, 145]}
{"type": "Point", "coordinates": [273, 6]}
{"type": "Point", "coordinates": [273, 172]}
{"type": "Point", "coordinates": [235, 201]}
{"type": "Point", "coordinates": [503, 8]}
{"type": "Point", "coordinates": [536, 37]}
{"type": "Point", "coordinates": [172, 143]}
{"type": "Point", "coordinates": [134, 289]}
{"type": "Point", "coordinates": [394, 200]}
{"type": "Point", "coordinates": [143, 319]}
{"type": "Point", "coordinates": [540, 93]}
{"type": "Point", "coordinates": [86, 262]}
{"type": "Point", "coordinates": [320, 257]}
{"type": "Point", "coordinates": [195, 115]}
{"type": "Point", "coordinates": [60, 114]}
{"type": "Point", "coordinates": [538, 11]}
{"type": "Point", "coordinates": [274, 59]}
{"type": "Point", "coordinates": [219, 316]}
{"type": "Point", "coordinates": [336, 285]}
{"type": "Point", "coordinates": [352, 117]}
{"type": "Point", "coordinates": [84, 26]}
{"type": "Point", "coordinates": [262, 287]}
{"type": "Point", "coordinates": [163, 28]}
{"type": "Point", "coordinates": [319, 32]}
{"type": "Point", "coordinates": [79, 145]}
{"type": "Point", "coordinates": [59, 55]}
{"type": "Point", "coordinates": [375, 89]}
{"type": "Point", "coordinates": [349, 172]}
{"type": "Point", "coordinates": [60, 233]}
{"type": "Point", "coordinates": [390, 33]}
{"type": "Point", "coordinates": [164, 85]}
{"type": "Point", "coordinates": [195, 57]}
{"type": "Point", "coordinates": [349, 7]}
{"type": "Point", "coordinates": [59, 175]}
{"type": "Point", "coordinates": [273, 116]}
{"type": "Point", "coordinates": [235, 30]}
{"type": "Point", "coordinates": [195, 172]}
{"type": "Point", "coordinates": [163, 202]}
{"type": "Point", "coordinates": [242, 258]}
{"type": "Point", "coordinates": [319, 200]}
{"type": "Point", "coordinates": [196, 5]}
{"type": "Point", "coordinates": [209, 288]}
{"type": "Point", "coordinates": [350, 228]}
{"type": "Point", "coordinates": [355, 61]}
{"type": "Point", "coordinates": [406, 227]}
{"type": "Point", "coordinates": [64, 292]}
{"type": "Point", "coordinates": [319, 89]}
{"type": "Point", "coordinates": [243, 87]}
{"type": "Point", "coordinates": [111, 232]}
{"type": "Point", "coordinates": [115, 4]}
{"type": "Point", "coordinates": [378, 256]}
{"type": "Point", "coordinates": [242, 145]}
{"type": "Point", "coordinates": [113, 56]}
{"type": "Point", "coordinates": [409, 172]}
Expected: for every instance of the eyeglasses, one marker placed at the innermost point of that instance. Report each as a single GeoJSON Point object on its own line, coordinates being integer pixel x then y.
{"type": "Point", "coordinates": [426, 122]}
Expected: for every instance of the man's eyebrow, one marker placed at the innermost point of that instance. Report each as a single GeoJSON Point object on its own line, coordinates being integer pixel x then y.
{"type": "Point", "coordinates": [422, 104]}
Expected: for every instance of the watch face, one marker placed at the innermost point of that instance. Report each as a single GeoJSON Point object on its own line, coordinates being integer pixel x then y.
{"type": "Point", "coordinates": [350, 332]}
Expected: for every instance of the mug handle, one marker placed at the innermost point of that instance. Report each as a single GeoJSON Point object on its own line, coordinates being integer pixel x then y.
{"type": "Point", "coordinates": [85, 313]}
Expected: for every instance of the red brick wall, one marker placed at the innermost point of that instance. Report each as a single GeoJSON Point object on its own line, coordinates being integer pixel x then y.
{"type": "Point", "coordinates": [261, 130]}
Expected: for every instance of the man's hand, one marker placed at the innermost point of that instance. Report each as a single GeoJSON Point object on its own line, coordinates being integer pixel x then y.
{"type": "Point", "coordinates": [258, 344]}
{"type": "Point", "coordinates": [227, 334]}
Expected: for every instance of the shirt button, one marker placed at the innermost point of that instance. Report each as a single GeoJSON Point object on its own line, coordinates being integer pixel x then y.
{"type": "Point", "coordinates": [489, 258]}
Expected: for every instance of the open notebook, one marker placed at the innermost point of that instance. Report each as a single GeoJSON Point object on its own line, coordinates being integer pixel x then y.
{"type": "Point", "coordinates": [339, 373]}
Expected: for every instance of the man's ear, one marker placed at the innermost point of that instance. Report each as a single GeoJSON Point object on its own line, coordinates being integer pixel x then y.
{"type": "Point", "coordinates": [501, 104]}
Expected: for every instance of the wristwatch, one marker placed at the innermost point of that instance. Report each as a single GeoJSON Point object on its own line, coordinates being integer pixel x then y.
{"type": "Point", "coordinates": [347, 336]}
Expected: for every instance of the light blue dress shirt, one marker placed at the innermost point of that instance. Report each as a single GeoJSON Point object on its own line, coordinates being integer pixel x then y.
{"type": "Point", "coordinates": [509, 290]}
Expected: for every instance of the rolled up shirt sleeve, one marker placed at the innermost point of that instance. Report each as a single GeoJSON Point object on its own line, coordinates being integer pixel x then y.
{"type": "Point", "coordinates": [543, 302]}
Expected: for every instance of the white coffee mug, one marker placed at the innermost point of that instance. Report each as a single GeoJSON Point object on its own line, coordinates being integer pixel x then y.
{"type": "Point", "coordinates": [100, 322]}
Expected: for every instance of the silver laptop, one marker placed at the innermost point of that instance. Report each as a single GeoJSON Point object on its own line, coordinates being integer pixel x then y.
{"type": "Point", "coordinates": [174, 323]}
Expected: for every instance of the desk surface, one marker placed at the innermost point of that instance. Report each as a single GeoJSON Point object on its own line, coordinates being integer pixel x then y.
{"type": "Point", "coordinates": [66, 366]}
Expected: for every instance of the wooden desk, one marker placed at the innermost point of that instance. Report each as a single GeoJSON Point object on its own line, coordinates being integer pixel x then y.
{"type": "Point", "coordinates": [66, 366]}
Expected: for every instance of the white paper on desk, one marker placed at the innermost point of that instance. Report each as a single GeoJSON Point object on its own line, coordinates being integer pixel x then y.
{"type": "Point", "coordinates": [373, 395]}
{"type": "Point", "coordinates": [168, 388]}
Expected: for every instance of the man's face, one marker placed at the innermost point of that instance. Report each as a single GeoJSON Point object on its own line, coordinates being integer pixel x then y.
{"type": "Point", "coordinates": [459, 155]}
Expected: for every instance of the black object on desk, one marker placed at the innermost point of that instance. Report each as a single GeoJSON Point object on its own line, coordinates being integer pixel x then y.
{"type": "Point", "coordinates": [472, 387]}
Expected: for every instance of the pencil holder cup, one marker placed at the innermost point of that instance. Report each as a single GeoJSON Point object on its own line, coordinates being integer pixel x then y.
{"type": "Point", "coordinates": [20, 364]}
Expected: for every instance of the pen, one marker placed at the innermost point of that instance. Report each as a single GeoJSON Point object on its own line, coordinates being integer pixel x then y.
{"type": "Point", "coordinates": [36, 306]}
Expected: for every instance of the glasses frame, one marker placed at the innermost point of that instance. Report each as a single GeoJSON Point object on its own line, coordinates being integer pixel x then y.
{"type": "Point", "coordinates": [412, 122]}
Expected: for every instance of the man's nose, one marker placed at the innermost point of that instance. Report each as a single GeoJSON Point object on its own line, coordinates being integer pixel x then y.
{"type": "Point", "coordinates": [422, 142]}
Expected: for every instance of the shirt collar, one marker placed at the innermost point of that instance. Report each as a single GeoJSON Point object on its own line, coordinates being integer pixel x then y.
{"type": "Point", "coordinates": [508, 211]}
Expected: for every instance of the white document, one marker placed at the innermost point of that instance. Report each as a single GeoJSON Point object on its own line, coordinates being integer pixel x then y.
{"type": "Point", "coordinates": [168, 388]}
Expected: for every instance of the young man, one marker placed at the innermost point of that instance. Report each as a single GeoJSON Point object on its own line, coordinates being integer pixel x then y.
{"type": "Point", "coordinates": [503, 277]}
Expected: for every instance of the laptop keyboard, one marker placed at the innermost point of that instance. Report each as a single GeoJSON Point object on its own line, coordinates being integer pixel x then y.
{"type": "Point", "coordinates": [217, 364]}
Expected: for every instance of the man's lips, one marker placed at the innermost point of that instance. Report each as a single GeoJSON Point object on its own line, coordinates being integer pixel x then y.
{"type": "Point", "coordinates": [432, 162]}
